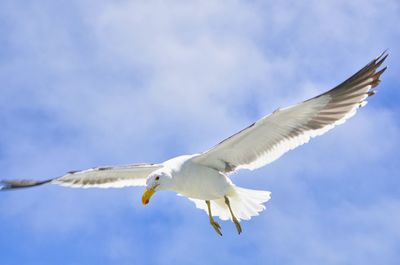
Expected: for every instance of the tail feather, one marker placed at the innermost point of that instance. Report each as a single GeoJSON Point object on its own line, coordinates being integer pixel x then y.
{"type": "Point", "coordinates": [245, 203]}
{"type": "Point", "coordinates": [249, 202]}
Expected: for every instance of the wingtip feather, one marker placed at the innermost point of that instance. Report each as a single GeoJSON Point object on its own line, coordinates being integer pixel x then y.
{"type": "Point", "coordinates": [17, 184]}
{"type": "Point", "coordinates": [383, 54]}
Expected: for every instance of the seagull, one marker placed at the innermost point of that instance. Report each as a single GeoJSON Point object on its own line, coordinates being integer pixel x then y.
{"type": "Point", "coordinates": [204, 178]}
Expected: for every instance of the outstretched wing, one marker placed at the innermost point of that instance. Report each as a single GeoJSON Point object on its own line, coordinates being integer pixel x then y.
{"type": "Point", "coordinates": [99, 177]}
{"type": "Point", "coordinates": [270, 137]}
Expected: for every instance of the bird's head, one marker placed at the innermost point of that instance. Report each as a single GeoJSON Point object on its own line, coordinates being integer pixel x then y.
{"type": "Point", "coordinates": [159, 180]}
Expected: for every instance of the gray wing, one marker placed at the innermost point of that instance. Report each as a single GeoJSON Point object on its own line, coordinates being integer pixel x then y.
{"type": "Point", "coordinates": [270, 137]}
{"type": "Point", "coordinates": [99, 177]}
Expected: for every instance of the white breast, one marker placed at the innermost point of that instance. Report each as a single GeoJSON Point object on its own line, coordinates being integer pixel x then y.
{"type": "Point", "coordinates": [197, 181]}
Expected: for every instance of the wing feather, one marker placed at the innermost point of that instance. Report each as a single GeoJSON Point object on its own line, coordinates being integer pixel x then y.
{"type": "Point", "coordinates": [285, 129]}
{"type": "Point", "coordinates": [99, 177]}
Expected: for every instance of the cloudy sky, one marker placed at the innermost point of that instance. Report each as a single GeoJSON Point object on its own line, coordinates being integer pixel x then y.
{"type": "Point", "coordinates": [86, 83]}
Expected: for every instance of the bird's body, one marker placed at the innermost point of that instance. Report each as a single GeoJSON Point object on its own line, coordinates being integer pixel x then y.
{"type": "Point", "coordinates": [196, 181]}
{"type": "Point", "coordinates": [204, 178]}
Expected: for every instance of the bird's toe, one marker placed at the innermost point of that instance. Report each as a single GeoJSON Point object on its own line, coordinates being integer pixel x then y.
{"type": "Point", "coordinates": [216, 227]}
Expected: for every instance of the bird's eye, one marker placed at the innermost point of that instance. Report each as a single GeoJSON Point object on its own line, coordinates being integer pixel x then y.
{"type": "Point", "coordinates": [158, 178]}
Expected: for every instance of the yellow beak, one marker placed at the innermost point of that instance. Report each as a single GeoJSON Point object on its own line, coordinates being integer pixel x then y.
{"type": "Point", "coordinates": [147, 195]}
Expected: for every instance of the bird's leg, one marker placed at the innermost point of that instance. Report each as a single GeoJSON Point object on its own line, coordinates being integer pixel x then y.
{"type": "Point", "coordinates": [214, 224]}
{"type": "Point", "coordinates": [234, 219]}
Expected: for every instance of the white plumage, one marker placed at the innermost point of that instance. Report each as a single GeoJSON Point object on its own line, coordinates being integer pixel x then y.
{"type": "Point", "coordinates": [108, 176]}
{"type": "Point", "coordinates": [204, 178]}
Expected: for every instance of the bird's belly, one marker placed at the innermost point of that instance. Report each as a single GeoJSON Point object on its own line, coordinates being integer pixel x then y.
{"type": "Point", "coordinates": [204, 183]}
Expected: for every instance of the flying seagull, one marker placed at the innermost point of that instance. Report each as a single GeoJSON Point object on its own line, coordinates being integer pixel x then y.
{"type": "Point", "coordinates": [205, 178]}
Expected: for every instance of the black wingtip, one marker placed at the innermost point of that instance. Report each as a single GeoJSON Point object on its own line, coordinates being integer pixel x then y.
{"type": "Point", "coordinates": [18, 184]}
{"type": "Point", "coordinates": [381, 58]}
{"type": "Point", "coordinates": [383, 54]}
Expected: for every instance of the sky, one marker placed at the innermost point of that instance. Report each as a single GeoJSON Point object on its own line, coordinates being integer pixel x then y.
{"type": "Point", "coordinates": [87, 83]}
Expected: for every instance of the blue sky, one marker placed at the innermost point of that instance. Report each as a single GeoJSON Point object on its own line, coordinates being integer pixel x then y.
{"type": "Point", "coordinates": [87, 83]}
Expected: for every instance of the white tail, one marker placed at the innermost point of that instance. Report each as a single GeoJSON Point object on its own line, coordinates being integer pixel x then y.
{"type": "Point", "coordinates": [245, 203]}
